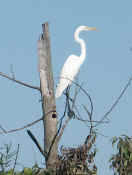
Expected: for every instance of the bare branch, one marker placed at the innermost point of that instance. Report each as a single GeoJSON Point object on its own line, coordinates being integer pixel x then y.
{"type": "Point", "coordinates": [77, 90]}
{"type": "Point", "coordinates": [36, 143]}
{"type": "Point", "coordinates": [3, 129]}
{"type": "Point", "coordinates": [12, 71]}
{"type": "Point", "coordinates": [78, 113]}
{"type": "Point", "coordinates": [84, 120]}
{"type": "Point", "coordinates": [18, 129]}
{"type": "Point", "coordinates": [61, 129]}
{"type": "Point", "coordinates": [26, 126]}
{"type": "Point", "coordinates": [19, 82]}
{"type": "Point", "coordinates": [85, 92]}
{"type": "Point", "coordinates": [115, 103]}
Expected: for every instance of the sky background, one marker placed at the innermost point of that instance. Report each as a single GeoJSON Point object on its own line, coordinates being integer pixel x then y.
{"type": "Point", "coordinates": [106, 70]}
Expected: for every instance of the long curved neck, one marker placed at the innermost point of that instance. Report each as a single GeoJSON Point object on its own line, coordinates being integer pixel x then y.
{"type": "Point", "coordinates": [82, 45]}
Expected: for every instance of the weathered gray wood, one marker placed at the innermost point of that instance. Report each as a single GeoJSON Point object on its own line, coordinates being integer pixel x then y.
{"type": "Point", "coordinates": [48, 98]}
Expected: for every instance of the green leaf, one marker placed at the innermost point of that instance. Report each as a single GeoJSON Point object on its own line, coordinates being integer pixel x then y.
{"type": "Point", "coordinates": [130, 158]}
{"type": "Point", "coordinates": [10, 172]}
{"type": "Point", "coordinates": [125, 163]}
{"type": "Point", "coordinates": [125, 152]}
{"type": "Point", "coordinates": [27, 171]}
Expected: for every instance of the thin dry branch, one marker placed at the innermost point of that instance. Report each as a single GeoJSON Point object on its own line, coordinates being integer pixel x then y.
{"type": "Point", "coordinates": [23, 127]}
{"type": "Point", "coordinates": [4, 131]}
{"type": "Point", "coordinates": [93, 121]}
{"type": "Point", "coordinates": [12, 71]}
{"type": "Point", "coordinates": [78, 117]}
{"type": "Point", "coordinates": [115, 103]}
{"type": "Point", "coordinates": [61, 128]}
{"type": "Point", "coordinates": [19, 82]}
{"type": "Point", "coordinates": [85, 92]}
{"type": "Point", "coordinates": [36, 143]}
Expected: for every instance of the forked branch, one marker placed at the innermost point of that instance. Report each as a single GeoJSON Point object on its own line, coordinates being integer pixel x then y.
{"type": "Point", "coordinates": [19, 82]}
{"type": "Point", "coordinates": [115, 103]}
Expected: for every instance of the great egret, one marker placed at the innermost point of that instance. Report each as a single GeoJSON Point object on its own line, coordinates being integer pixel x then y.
{"type": "Point", "coordinates": [73, 63]}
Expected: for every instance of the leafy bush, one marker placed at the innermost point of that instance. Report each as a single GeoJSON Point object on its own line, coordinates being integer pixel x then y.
{"type": "Point", "coordinates": [121, 162]}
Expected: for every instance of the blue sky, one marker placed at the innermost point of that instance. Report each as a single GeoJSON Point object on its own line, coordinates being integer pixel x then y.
{"type": "Point", "coordinates": [105, 72]}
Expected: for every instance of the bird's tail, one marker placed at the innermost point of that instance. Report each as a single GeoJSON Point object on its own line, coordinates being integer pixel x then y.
{"type": "Point", "coordinates": [63, 84]}
{"type": "Point", "coordinates": [58, 92]}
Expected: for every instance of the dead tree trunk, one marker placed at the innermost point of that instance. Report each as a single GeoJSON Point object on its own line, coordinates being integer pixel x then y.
{"type": "Point", "coordinates": [48, 98]}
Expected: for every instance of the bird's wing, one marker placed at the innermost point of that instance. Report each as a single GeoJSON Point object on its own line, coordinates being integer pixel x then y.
{"type": "Point", "coordinates": [69, 71]}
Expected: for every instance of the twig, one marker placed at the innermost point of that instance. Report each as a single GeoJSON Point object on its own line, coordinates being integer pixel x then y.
{"type": "Point", "coordinates": [73, 104]}
{"type": "Point", "coordinates": [80, 118]}
{"type": "Point", "coordinates": [36, 143]}
{"type": "Point", "coordinates": [115, 103]}
{"type": "Point", "coordinates": [23, 127]}
{"type": "Point", "coordinates": [90, 119]}
{"type": "Point", "coordinates": [87, 111]}
{"type": "Point", "coordinates": [18, 129]}
{"type": "Point", "coordinates": [61, 130]}
{"type": "Point", "coordinates": [77, 90]}
{"type": "Point", "coordinates": [15, 159]}
{"type": "Point", "coordinates": [3, 129]}
{"type": "Point", "coordinates": [12, 71]}
{"type": "Point", "coordinates": [91, 126]}
{"type": "Point", "coordinates": [19, 82]}
{"type": "Point", "coordinates": [85, 92]}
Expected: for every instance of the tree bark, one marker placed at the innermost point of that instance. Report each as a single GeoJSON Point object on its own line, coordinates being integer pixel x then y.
{"type": "Point", "coordinates": [48, 98]}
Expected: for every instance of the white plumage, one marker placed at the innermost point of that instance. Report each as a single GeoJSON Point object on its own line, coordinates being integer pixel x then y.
{"type": "Point", "coordinates": [72, 64]}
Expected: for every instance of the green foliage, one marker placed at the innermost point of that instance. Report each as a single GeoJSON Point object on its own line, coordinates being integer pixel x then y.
{"type": "Point", "coordinates": [27, 171]}
{"type": "Point", "coordinates": [121, 162]}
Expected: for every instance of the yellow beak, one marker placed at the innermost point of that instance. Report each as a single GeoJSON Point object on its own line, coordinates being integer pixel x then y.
{"type": "Point", "coordinates": [91, 28]}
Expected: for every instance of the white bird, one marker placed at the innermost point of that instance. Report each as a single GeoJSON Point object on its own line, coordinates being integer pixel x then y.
{"type": "Point", "coordinates": [73, 63]}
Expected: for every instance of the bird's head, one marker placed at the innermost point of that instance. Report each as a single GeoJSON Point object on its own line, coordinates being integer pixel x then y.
{"type": "Point", "coordinates": [81, 28]}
